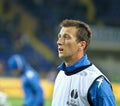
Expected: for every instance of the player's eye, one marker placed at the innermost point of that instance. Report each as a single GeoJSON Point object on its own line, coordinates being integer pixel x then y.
{"type": "Point", "coordinates": [66, 36]}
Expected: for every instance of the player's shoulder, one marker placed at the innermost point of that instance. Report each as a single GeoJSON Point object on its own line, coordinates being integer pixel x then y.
{"type": "Point", "coordinates": [101, 92]}
{"type": "Point", "coordinates": [30, 74]}
{"type": "Point", "coordinates": [102, 86]}
{"type": "Point", "coordinates": [102, 82]}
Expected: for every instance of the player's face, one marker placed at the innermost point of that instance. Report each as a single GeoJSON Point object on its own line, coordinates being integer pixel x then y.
{"type": "Point", "coordinates": [68, 47]}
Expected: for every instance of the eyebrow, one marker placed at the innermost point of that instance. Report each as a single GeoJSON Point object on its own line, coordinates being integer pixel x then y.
{"type": "Point", "coordinates": [65, 34]}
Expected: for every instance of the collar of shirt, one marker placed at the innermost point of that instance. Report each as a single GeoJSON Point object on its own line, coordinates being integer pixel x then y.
{"type": "Point", "coordinates": [79, 64]}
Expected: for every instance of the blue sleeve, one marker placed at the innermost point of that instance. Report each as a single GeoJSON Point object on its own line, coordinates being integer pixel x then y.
{"type": "Point", "coordinates": [37, 90]}
{"type": "Point", "coordinates": [101, 94]}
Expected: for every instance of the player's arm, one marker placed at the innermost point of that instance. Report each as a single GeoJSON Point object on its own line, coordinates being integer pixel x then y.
{"type": "Point", "coordinates": [101, 94]}
{"type": "Point", "coordinates": [35, 84]}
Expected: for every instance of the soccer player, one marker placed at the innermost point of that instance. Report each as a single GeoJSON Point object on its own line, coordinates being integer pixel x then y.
{"type": "Point", "coordinates": [79, 82]}
{"type": "Point", "coordinates": [30, 80]}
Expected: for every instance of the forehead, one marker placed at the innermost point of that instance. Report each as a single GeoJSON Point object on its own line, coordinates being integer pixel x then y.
{"type": "Point", "coordinates": [68, 30]}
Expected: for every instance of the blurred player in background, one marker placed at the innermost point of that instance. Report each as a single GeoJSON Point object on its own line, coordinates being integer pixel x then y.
{"type": "Point", "coordinates": [30, 80]}
{"type": "Point", "coordinates": [79, 82]}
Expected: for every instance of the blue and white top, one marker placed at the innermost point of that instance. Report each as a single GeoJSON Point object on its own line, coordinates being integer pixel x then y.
{"type": "Point", "coordinates": [82, 84]}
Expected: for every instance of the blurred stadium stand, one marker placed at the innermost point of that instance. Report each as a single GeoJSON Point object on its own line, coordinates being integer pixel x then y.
{"type": "Point", "coordinates": [30, 27]}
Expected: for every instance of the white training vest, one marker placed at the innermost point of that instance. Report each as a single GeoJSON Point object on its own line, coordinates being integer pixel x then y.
{"type": "Point", "coordinates": [72, 90]}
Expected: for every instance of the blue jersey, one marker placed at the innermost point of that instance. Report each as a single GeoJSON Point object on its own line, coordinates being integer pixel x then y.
{"type": "Point", "coordinates": [32, 89]}
{"type": "Point", "coordinates": [101, 94]}
{"type": "Point", "coordinates": [30, 81]}
{"type": "Point", "coordinates": [82, 84]}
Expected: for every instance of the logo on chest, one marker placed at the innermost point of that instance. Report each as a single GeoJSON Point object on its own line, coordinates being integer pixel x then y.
{"type": "Point", "coordinates": [73, 99]}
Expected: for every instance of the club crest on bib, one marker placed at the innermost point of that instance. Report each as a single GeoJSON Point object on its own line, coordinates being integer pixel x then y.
{"type": "Point", "coordinates": [73, 100]}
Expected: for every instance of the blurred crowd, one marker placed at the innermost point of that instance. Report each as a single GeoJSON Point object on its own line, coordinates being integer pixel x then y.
{"type": "Point", "coordinates": [43, 23]}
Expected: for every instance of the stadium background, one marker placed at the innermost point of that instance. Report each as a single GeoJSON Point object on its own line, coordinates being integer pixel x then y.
{"type": "Point", "coordinates": [30, 27]}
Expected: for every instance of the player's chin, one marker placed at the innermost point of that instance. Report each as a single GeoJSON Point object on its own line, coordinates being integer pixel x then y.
{"type": "Point", "coordinates": [61, 56]}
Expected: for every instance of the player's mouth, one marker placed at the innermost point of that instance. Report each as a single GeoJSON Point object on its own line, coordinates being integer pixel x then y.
{"type": "Point", "coordinates": [60, 50]}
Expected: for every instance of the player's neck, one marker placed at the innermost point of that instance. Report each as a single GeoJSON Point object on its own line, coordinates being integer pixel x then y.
{"type": "Point", "coordinates": [72, 60]}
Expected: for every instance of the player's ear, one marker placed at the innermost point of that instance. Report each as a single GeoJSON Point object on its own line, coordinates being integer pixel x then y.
{"type": "Point", "coordinates": [82, 45]}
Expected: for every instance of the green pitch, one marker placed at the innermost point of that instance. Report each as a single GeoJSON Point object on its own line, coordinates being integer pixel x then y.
{"type": "Point", "coordinates": [118, 103]}
{"type": "Point", "coordinates": [19, 102]}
